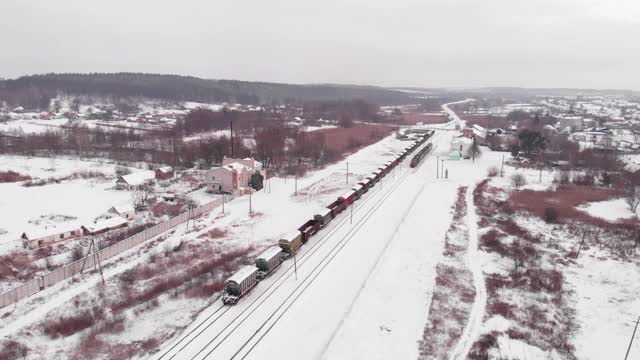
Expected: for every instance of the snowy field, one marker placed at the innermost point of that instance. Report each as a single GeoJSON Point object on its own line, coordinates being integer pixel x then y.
{"type": "Point", "coordinates": [70, 202]}
{"type": "Point", "coordinates": [610, 210]}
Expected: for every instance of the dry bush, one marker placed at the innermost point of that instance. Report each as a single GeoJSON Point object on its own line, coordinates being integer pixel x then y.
{"type": "Point", "coordinates": [12, 349]}
{"type": "Point", "coordinates": [17, 265]}
{"type": "Point", "coordinates": [550, 215]}
{"type": "Point", "coordinates": [493, 171]}
{"type": "Point", "coordinates": [65, 326]}
{"type": "Point", "coordinates": [215, 233]}
{"type": "Point", "coordinates": [480, 349]}
{"type": "Point", "coordinates": [161, 209]}
{"type": "Point", "coordinates": [518, 180]}
{"type": "Point", "coordinates": [500, 308]}
{"type": "Point", "coordinates": [12, 176]}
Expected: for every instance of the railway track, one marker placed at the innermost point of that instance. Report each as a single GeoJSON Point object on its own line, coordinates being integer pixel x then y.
{"type": "Point", "coordinates": [306, 282]}
{"type": "Point", "coordinates": [238, 320]}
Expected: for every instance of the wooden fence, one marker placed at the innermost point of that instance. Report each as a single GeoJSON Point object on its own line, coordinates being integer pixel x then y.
{"type": "Point", "coordinates": [41, 282]}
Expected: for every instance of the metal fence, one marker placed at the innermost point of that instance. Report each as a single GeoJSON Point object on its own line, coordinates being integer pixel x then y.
{"type": "Point", "coordinates": [41, 282]}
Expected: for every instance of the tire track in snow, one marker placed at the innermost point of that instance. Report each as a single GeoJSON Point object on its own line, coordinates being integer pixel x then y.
{"type": "Point", "coordinates": [323, 353]}
{"type": "Point", "coordinates": [472, 330]}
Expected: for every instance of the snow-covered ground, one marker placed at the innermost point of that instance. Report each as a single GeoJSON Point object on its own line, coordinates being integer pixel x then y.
{"type": "Point", "coordinates": [362, 289]}
{"type": "Point", "coordinates": [71, 202]}
{"type": "Point", "coordinates": [610, 210]}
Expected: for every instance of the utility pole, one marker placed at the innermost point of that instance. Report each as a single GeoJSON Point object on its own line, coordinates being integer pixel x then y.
{"type": "Point", "coordinates": [231, 126]}
{"type": "Point", "coordinates": [437, 167]}
{"type": "Point", "coordinates": [502, 166]}
{"type": "Point", "coordinates": [96, 258]}
{"type": "Point", "coordinates": [351, 218]}
{"type": "Point", "coordinates": [347, 172]}
{"type": "Point", "coordinates": [295, 265]}
{"type": "Point", "coordinates": [250, 204]}
{"type": "Point", "coordinates": [632, 336]}
{"type": "Point", "coordinates": [296, 185]}
{"type": "Point", "coordinates": [442, 167]}
{"type": "Point", "coordinates": [223, 203]}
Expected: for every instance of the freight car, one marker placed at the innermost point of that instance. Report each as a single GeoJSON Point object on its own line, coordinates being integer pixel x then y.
{"type": "Point", "coordinates": [291, 242]}
{"type": "Point", "coordinates": [417, 159]}
{"type": "Point", "coordinates": [308, 229]}
{"type": "Point", "coordinates": [323, 217]}
{"type": "Point", "coordinates": [239, 284]}
{"type": "Point", "coordinates": [245, 279]}
{"type": "Point", "coordinates": [268, 261]}
{"type": "Point", "coordinates": [359, 190]}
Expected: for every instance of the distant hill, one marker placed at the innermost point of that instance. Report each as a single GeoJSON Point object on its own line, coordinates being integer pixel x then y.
{"type": "Point", "coordinates": [35, 91]}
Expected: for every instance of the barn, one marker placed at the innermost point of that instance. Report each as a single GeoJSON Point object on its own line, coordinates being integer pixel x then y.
{"type": "Point", "coordinates": [35, 239]}
{"type": "Point", "coordinates": [135, 181]}
{"type": "Point", "coordinates": [164, 173]}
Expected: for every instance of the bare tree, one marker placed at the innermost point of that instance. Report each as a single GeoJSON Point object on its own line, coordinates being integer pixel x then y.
{"type": "Point", "coordinates": [141, 197]}
{"type": "Point", "coordinates": [632, 195]}
{"type": "Point", "coordinates": [518, 180]}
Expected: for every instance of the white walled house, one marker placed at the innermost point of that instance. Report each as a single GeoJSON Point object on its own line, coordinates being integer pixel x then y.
{"type": "Point", "coordinates": [38, 238]}
{"type": "Point", "coordinates": [233, 176]}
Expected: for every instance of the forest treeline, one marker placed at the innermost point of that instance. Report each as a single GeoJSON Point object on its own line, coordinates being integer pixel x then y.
{"type": "Point", "coordinates": [36, 91]}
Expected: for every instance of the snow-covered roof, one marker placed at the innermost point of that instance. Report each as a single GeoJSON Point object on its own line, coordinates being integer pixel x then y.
{"type": "Point", "coordinates": [51, 230]}
{"type": "Point", "coordinates": [347, 194]}
{"type": "Point", "coordinates": [290, 236]}
{"type": "Point", "coordinates": [106, 224]}
{"type": "Point", "coordinates": [357, 187]}
{"type": "Point", "coordinates": [121, 209]}
{"type": "Point", "coordinates": [461, 140]}
{"type": "Point", "coordinates": [243, 274]}
{"type": "Point", "coordinates": [235, 166]}
{"type": "Point", "coordinates": [166, 169]}
{"type": "Point", "coordinates": [138, 178]}
{"type": "Point", "coordinates": [270, 253]}
{"type": "Point", "coordinates": [324, 212]}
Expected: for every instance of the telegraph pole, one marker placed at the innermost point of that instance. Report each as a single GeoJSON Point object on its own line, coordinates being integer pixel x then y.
{"type": "Point", "coordinates": [632, 336]}
{"type": "Point", "coordinates": [502, 166]}
{"type": "Point", "coordinates": [351, 218]}
{"type": "Point", "coordinates": [250, 204]}
{"type": "Point", "coordinates": [347, 173]}
{"type": "Point", "coordinates": [223, 198]}
{"type": "Point", "coordinates": [295, 265]}
{"type": "Point", "coordinates": [437, 167]}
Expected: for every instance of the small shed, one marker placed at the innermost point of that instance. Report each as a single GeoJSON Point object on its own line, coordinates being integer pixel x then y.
{"type": "Point", "coordinates": [135, 181]}
{"type": "Point", "coordinates": [105, 225]}
{"type": "Point", "coordinates": [525, 163]}
{"type": "Point", "coordinates": [165, 172]}
{"type": "Point", "coordinates": [126, 211]}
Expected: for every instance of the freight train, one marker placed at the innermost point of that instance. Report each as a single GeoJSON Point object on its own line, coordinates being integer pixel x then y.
{"type": "Point", "coordinates": [247, 278]}
{"type": "Point", "coordinates": [417, 159]}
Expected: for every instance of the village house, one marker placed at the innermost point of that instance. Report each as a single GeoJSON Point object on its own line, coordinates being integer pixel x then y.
{"type": "Point", "coordinates": [135, 181]}
{"type": "Point", "coordinates": [165, 172]}
{"type": "Point", "coordinates": [126, 211]}
{"type": "Point", "coordinates": [35, 239]}
{"type": "Point", "coordinates": [461, 146]}
{"type": "Point", "coordinates": [102, 226]}
{"type": "Point", "coordinates": [233, 176]}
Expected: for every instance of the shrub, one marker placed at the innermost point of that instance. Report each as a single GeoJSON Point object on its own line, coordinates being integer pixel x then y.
{"type": "Point", "coordinates": [12, 176]}
{"type": "Point", "coordinates": [493, 171]}
{"type": "Point", "coordinates": [518, 181]}
{"type": "Point", "coordinates": [13, 350]}
{"type": "Point", "coordinates": [550, 215]}
{"type": "Point", "coordinates": [77, 253]}
{"type": "Point", "coordinates": [65, 326]}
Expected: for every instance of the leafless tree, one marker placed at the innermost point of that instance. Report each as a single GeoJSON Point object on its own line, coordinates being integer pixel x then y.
{"type": "Point", "coordinates": [518, 180]}
{"type": "Point", "coordinates": [632, 195]}
{"type": "Point", "coordinates": [141, 196]}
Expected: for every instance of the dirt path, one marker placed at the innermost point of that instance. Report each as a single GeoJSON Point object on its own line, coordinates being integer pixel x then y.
{"type": "Point", "coordinates": [474, 325]}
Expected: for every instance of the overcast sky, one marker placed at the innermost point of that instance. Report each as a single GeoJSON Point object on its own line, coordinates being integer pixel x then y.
{"type": "Point", "coordinates": [430, 43]}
